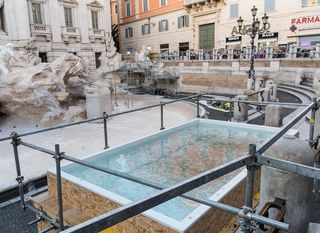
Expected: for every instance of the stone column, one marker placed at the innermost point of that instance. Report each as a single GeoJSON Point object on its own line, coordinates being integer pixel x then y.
{"type": "Point", "coordinates": [240, 109]}
{"type": "Point", "coordinates": [215, 54]}
{"type": "Point", "coordinates": [258, 84]}
{"type": "Point", "coordinates": [22, 23]}
{"type": "Point", "coordinates": [200, 54]}
{"type": "Point", "coordinates": [264, 96]}
{"type": "Point", "coordinates": [273, 90]}
{"type": "Point", "coordinates": [273, 116]}
{"type": "Point", "coordinates": [230, 54]}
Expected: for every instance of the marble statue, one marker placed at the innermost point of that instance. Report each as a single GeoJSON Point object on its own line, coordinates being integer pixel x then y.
{"type": "Point", "coordinates": [110, 60]}
{"type": "Point", "coordinates": [6, 54]}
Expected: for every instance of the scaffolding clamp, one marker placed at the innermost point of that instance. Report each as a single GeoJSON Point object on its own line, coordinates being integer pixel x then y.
{"type": "Point", "coordinates": [244, 219]}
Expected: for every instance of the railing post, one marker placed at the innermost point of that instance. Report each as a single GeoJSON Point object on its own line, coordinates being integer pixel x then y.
{"type": "Point", "coordinates": [245, 224]}
{"type": "Point", "coordinates": [198, 106]}
{"type": "Point", "coordinates": [105, 130]}
{"type": "Point", "coordinates": [312, 121]}
{"type": "Point", "coordinates": [59, 184]}
{"type": "Point", "coordinates": [161, 115]}
{"type": "Point", "coordinates": [15, 143]}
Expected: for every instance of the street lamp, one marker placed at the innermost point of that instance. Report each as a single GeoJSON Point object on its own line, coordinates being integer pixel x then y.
{"type": "Point", "coordinates": [252, 31]}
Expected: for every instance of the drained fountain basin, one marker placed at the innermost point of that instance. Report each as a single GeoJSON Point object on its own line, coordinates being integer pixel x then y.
{"type": "Point", "coordinates": [167, 158]}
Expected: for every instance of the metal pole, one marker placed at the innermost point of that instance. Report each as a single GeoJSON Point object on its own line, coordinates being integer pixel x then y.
{"type": "Point", "coordinates": [248, 208]}
{"type": "Point", "coordinates": [15, 143]}
{"type": "Point", "coordinates": [312, 121]}
{"type": "Point", "coordinates": [105, 130]}
{"type": "Point", "coordinates": [161, 115]}
{"type": "Point", "coordinates": [59, 188]}
{"type": "Point", "coordinates": [198, 107]}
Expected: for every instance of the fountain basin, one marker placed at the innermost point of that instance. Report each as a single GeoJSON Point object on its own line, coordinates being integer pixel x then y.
{"type": "Point", "coordinates": [167, 157]}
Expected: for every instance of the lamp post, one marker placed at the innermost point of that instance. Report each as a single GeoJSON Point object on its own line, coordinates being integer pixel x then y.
{"type": "Point", "coordinates": [252, 31]}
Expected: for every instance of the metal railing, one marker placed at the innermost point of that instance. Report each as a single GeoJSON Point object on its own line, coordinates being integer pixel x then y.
{"type": "Point", "coordinates": [237, 54]}
{"type": "Point", "coordinates": [246, 214]}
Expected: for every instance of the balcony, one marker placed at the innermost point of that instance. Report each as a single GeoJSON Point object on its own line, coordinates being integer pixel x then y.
{"type": "Point", "coordinates": [96, 35]}
{"type": "Point", "coordinates": [198, 4]}
{"type": "Point", "coordinates": [41, 31]}
{"type": "Point", "coordinates": [70, 34]}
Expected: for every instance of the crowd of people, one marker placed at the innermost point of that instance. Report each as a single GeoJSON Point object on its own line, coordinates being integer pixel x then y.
{"type": "Point", "coordinates": [280, 52]}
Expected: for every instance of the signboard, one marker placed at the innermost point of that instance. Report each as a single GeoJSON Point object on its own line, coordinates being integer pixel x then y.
{"type": "Point", "coordinates": [233, 39]}
{"type": "Point", "coordinates": [268, 35]}
{"type": "Point", "coordinates": [305, 20]}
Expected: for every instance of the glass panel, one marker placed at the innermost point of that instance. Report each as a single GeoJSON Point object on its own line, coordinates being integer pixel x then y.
{"type": "Point", "coordinates": [269, 5]}
{"type": "Point", "coordinates": [128, 8]}
{"type": "Point", "coordinates": [145, 5]}
{"type": "Point", "coordinates": [36, 13]}
{"type": "Point", "coordinates": [234, 11]}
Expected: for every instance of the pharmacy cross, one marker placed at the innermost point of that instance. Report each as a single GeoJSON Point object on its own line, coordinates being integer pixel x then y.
{"type": "Point", "coordinates": [293, 28]}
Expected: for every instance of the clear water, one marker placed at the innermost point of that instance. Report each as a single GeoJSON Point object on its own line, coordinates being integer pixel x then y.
{"type": "Point", "coordinates": [170, 158]}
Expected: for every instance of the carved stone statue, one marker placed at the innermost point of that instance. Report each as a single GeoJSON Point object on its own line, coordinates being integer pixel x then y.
{"type": "Point", "coordinates": [143, 55]}
{"type": "Point", "coordinates": [110, 60]}
{"type": "Point", "coordinates": [6, 54]}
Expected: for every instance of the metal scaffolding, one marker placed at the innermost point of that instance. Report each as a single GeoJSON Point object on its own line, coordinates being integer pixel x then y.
{"type": "Point", "coordinates": [252, 160]}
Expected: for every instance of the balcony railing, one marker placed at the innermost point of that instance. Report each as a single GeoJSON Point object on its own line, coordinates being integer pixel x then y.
{"type": "Point", "coordinates": [70, 30]}
{"type": "Point", "coordinates": [40, 28]}
{"type": "Point", "coordinates": [96, 32]}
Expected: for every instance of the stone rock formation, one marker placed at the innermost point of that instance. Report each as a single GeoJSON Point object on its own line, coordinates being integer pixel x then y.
{"type": "Point", "coordinates": [41, 91]}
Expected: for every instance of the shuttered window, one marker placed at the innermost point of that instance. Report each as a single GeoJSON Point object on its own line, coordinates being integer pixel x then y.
{"type": "Point", "coordinates": [183, 21]}
{"type": "Point", "coordinates": [145, 5]}
{"type": "Point", "coordinates": [129, 32]}
{"type": "Point", "coordinates": [145, 28]}
{"type": "Point", "coordinates": [128, 8]}
{"type": "Point", "coordinates": [163, 2]}
{"type": "Point", "coordinates": [163, 25]}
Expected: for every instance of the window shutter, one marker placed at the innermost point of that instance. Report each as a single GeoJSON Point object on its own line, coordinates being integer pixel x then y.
{"type": "Point", "coordinates": [159, 25]}
{"type": "Point", "coordinates": [179, 22]}
{"type": "Point", "coordinates": [187, 20]}
{"type": "Point", "coordinates": [142, 29]}
{"type": "Point", "coordinates": [167, 25]}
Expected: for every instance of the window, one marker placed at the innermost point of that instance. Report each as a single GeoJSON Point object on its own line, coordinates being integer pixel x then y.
{"type": "Point", "coordinates": [234, 11]}
{"type": "Point", "coordinates": [183, 21]}
{"type": "Point", "coordinates": [68, 17]}
{"type": "Point", "coordinates": [163, 25]}
{"type": "Point", "coordinates": [128, 8]}
{"type": "Point", "coordinates": [94, 18]}
{"type": "Point", "coordinates": [145, 29]}
{"type": "Point", "coordinates": [310, 2]}
{"type": "Point", "coordinates": [43, 57]}
{"type": "Point", "coordinates": [2, 24]}
{"type": "Point", "coordinates": [269, 5]}
{"type": "Point", "coordinates": [164, 48]}
{"type": "Point", "coordinates": [98, 61]}
{"type": "Point", "coordinates": [36, 13]}
{"type": "Point", "coordinates": [183, 48]}
{"type": "Point", "coordinates": [163, 2]}
{"type": "Point", "coordinates": [129, 32]}
{"type": "Point", "coordinates": [145, 5]}
{"type": "Point", "coordinates": [116, 9]}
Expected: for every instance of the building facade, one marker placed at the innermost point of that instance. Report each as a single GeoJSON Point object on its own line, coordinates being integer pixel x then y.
{"type": "Point", "coordinates": [114, 12]}
{"type": "Point", "coordinates": [176, 25]}
{"type": "Point", "coordinates": [58, 26]}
